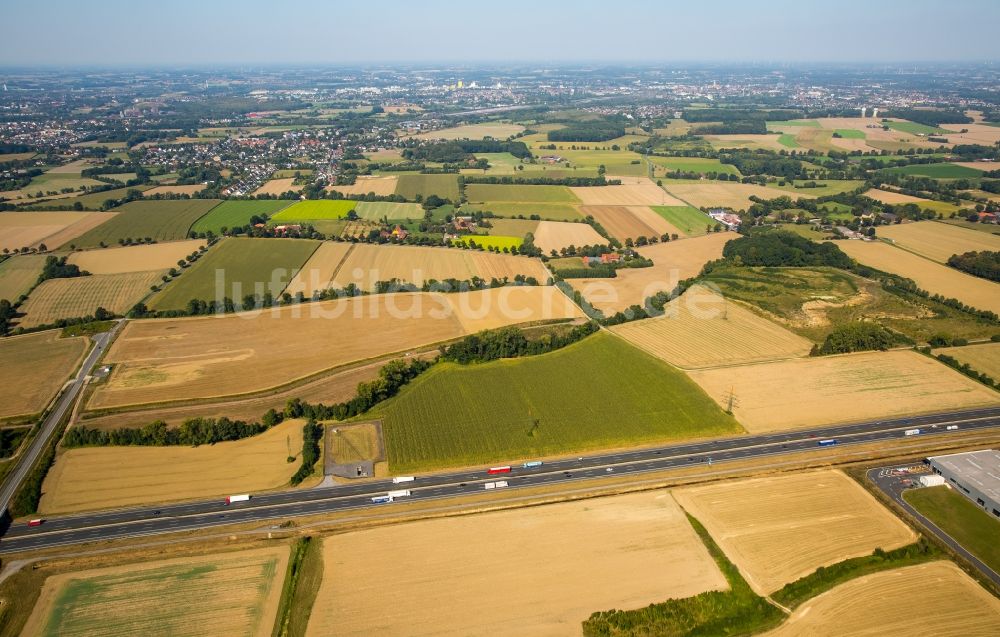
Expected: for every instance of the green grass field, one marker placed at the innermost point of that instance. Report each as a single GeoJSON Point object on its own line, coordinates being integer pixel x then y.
{"type": "Point", "coordinates": [811, 123]}
{"type": "Point", "coordinates": [18, 274]}
{"type": "Point", "coordinates": [620, 162]}
{"type": "Point", "coordinates": [916, 129]}
{"type": "Point", "coordinates": [315, 210]}
{"type": "Point", "coordinates": [688, 220]}
{"type": "Point", "coordinates": [788, 140]}
{"type": "Point", "coordinates": [234, 214]}
{"type": "Point", "coordinates": [91, 201]}
{"type": "Point", "coordinates": [375, 210]}
{"type": "Point", "coordinates": [511, 227]}
{"type": "Point", "coordinates": [829, 187]}
{"type": "Point", "coordinates": [547, 211]}
{"type": "Point", "coordinates": [517, 193]}
{"type": "Point", "coordinates": [598, 393]}
{"type": "Point", "coordinates": [968, 524]}
{"type": "Point", "coordinates": [444, 186]}
{"type": "Point", "coordinates": [248, 264]}
{"type": "Point", "coordinates": [162, 220]}
{"type": "Point", "coordinates": [851, 133]}
{"type": "Point", "coordinates": [695, 165]}
{"type": "Point", "coordinates": [937, 171]}
{"type": "Point", "coordinates": [492, 241]}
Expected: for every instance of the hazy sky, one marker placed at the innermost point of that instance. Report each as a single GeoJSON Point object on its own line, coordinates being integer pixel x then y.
{"type": "Point", "coordinates": [212, 32]}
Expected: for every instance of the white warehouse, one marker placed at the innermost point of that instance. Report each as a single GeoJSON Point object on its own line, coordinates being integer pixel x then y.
{"type": "Point", "coordinates": [974, 474]}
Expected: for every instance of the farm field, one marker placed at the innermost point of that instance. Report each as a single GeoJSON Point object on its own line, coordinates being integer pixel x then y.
{"type": "Point", "coordinates": [489, 241]}
{"type": "Point", "coordinates": [718, 194]}
{"type": "Point", "coordinates": [444, 186]}
{"type": "Point", "coordinates": [969, 525]}
{"type": "Point", "coordinates": [933, 277]}
{"type": "Point", "coordinates": [18, 274]}
{"type": "Point", "coordinates": [237, 213]}
{"type": "Point", "coordinates": [827, 187]}
{"type": "Point", "coordinates": [595, 394]}
{"type": "Point", "coordinates": [512, 227]}
{"type": "Point", "coordinates": [382, 186]}
{"type": "Point", "coordinates": [928, 599]}
{"type": "Point", "coordinates": [898, 198]}
{"type": "Point", "coordinates": [556, 235]}
{"type": "Point", "coordinates": [689, 221]}
{"type": "Point", "coordinates": [982, 357]}
{"type": "Point", "coordinates": [376, 210]}
{"type": "Point", "coordinates": [365, 265]}
{"type": "Point", "coordinates": [28, 229]}
{"type": "Point", "coordinates": [811, 301]}
{"type": "Point", "coordinates": [703, 329]}
{"type": "Point", "coordinates": [894, 383]}
{"type": "Point", "coordinates": [694, 165]}
{"type": "Point", "coordinates": [80, 481]}
{"type": "Point", "coordinates": [643, 535]}
{"type": "Point", "coordinates": [277, 187]}
{"type": "Point", "coordinates": [187, 189]}
{"type": "Point", "coordinates": [673, 262]}
{"type": "Point", "coordinates": [780, 528]}
{"type": "Point", "coordinates": [316, 274]}
{"type": "Point", "coordinates": [979, 133]}
{"type": "Point", "coordinates": [943, 170]}
{"type": "Point", "coordinates": [248, 266]}
{"type": "Point", "coordinates": [161, 220]}
{"type": "Point", "coordinates": [74, 298]}
{"type": "Point", "coordinates": [65, 238]}
{"type": "Point", "coordinates": [232, 593]}
{"type": "Point", "coordinates": [496, 130]}
{"type": "Point", "coordinates": [305, 211]}
{"type": "Point", "coordinates": [616, 162]}
{"type": "Point", "coordinates": [173, 359]}
{"type": "Point", "coordinates": [519, 193]}
{"type": "Point", "coordinates": [353, 443]}
{"type": "Point", "coordinates": [913, 128]}
{"type": "Point", "coordinates": [547, 211]}
{"type": "Point", "coordinates": [752, 142]}
{"type": "Point", "coordinates": [636, 191]}
{"type": "Point", "coordinates": [629, 222]}
{"type": "Point", "coordinates": [141, 258]}
{"type": "Point", "coordinates": [33, 367]}
{"type": "Point", "coordinates": [93, 201]}
{"type": "Point", "coordinates": [938, 241]}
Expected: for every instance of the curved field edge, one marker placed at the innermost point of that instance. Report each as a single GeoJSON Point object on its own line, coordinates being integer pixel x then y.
{"type": "Point", "coordinates": [598, 393]}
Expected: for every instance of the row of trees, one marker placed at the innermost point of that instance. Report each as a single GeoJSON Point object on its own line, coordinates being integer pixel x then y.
{"type": "Point", "coordinates": [985, 264]}
{"type": "Point", "coordinates": [192, 432]}
{"type": "Point", "coordinates": [510, 342]}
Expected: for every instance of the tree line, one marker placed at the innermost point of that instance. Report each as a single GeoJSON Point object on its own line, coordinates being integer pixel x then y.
{"type": "Point", "coordinates": [985, 264]}
{"type": "Point", "coordinates": [510, 342]}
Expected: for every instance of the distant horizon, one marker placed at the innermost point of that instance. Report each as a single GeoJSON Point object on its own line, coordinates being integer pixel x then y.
{"type": "Point", "coordinates": [120, 34]}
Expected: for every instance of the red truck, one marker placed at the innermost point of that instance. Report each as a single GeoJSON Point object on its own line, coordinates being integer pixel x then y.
{"type": "Point", "coordinates": [495, 470]}
{"type": "Point", "coordinates": [35, 522]}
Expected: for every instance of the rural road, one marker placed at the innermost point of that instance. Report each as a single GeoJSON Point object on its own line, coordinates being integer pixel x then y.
{"type": "Point", "coordinates": [155, 520]}
{"type": "Point", "coordinates": [66, 399]}
{"type": "Point", "coordinates": [892, 485]}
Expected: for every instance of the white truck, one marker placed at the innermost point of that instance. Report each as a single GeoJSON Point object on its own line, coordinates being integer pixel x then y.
{"type": "Point", "coordinates": [245, 497]}
{"type": "Point", "coordinates": [402, 479]}
{"type": "Point", "coordinates": [402, 493]}
{"type": "Point", "coordinates": [496, 485]}
{"type": "Point", "coordinates": [911, 432]}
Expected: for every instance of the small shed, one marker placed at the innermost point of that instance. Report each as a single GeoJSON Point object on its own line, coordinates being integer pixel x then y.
{"type": "Point", "coordinates": [931, 480]}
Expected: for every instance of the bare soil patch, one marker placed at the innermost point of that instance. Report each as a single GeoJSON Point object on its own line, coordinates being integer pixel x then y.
{"type": "Point", "coordinates": [636, 191]}
{"type": "Point", "coordinates": [278, 187]}
{"type": "Point", "coordinates": [620, 222]}
{"type": "Point", "coordinates": [144, 258]}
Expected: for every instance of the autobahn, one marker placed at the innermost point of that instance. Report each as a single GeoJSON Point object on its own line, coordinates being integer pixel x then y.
{"type": "Point", "coordinates": [160, 519]}
{"type": "Point", "coordinates": [51, 422]}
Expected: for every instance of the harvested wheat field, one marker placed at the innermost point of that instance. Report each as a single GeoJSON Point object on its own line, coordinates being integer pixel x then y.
{"type": "Point", "coordinates": [177, 359]}
{"type": "Point", "coordinates": [64, 238]}
{"type": "Point", "coordinates": [556, 235]}
{"type": "Point", "coordinates": [897, 198]}
{"type": "Point", "coordinates": [187, 189]}
{"type": "Point", "coordinates": [235, 593]}
{"type": "Point", "coordinates": [367, 264]}
{"type": "Point", "coordinates": [566, 560]}
{"type": "Point", "coordinates": [143, 258]}
{"type": "Point", "coordinates": [363, 185]}
{"type": "Point", "coordinates": [939, 241]}
{"type": "Point", "coordinates": [33, 367]}
{"type": "Point", "coordinates": [976, 134]}
{"type": "Point", "coordinates": [928, 275]}
{"type": "Point", "coordinates": [702, 329]}
{"type": "Point", "coordinates": [277, 187]}
{"type": "Point", "coordinates": [983, 357]}
{"type": "Point", "coordinates": [317, 273]}
{"type": "Point", "coordinates": [845, 388]}
{"type": "Point", "coordinates": [72, 298]}
{"type": "Point", "coordinates": [634, 191]}
{"type": "Point", "coordinates": [28, 229]}
{"type": "Point", "coordinates": [673, 262]}
{"type": "Point", "coordinates": [628, 222]}
{"type": "Point", "coordinates": [80, 480]}
{"type": "Point", "coordinates": [753, 142]}
{"type": "Point", "coordinates": [712, 194]}
{"type": "Point", "coordinates": [778, 529]}
{"type": "Point", "coordinates": [926, 599]}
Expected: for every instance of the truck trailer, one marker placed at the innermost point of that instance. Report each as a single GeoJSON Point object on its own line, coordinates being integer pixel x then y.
{"type": "Point", "coordinates": [827, 442]}
{"type": "Point", "coordinates": [492, 471]}
{"type": "Point", "coordinates": [911, 432]}
{"type": "Point", "coordinates": [495, 485]}
{"type": "Point", "coordinates": [402, 479]}
{"type": "Point", "coordinates": [245, 497]}
{"type": "Point", "coordinates": [399, 494]}
{"type": "Point", "coordinates": [382, 499]}
{"type": "Point", "coordinates": [532, 463]}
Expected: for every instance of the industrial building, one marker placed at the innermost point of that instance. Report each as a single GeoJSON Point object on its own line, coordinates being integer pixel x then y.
{"type": "Point", "coordinates": [975, 474]}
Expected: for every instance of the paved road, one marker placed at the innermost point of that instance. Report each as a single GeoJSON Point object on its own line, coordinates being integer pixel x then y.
{"type": "Point", "coordinates": [154, 520]}
{"type": "Point", "coordinates": [63, 404]}
{"type": "Point", "coordinates": [893, 482]}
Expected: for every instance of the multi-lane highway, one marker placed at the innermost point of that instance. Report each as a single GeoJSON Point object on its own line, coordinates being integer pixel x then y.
{"type": "Point", "coordinates": [154, 520]}
{"type": "Point", "coordinates": [27, 459]}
